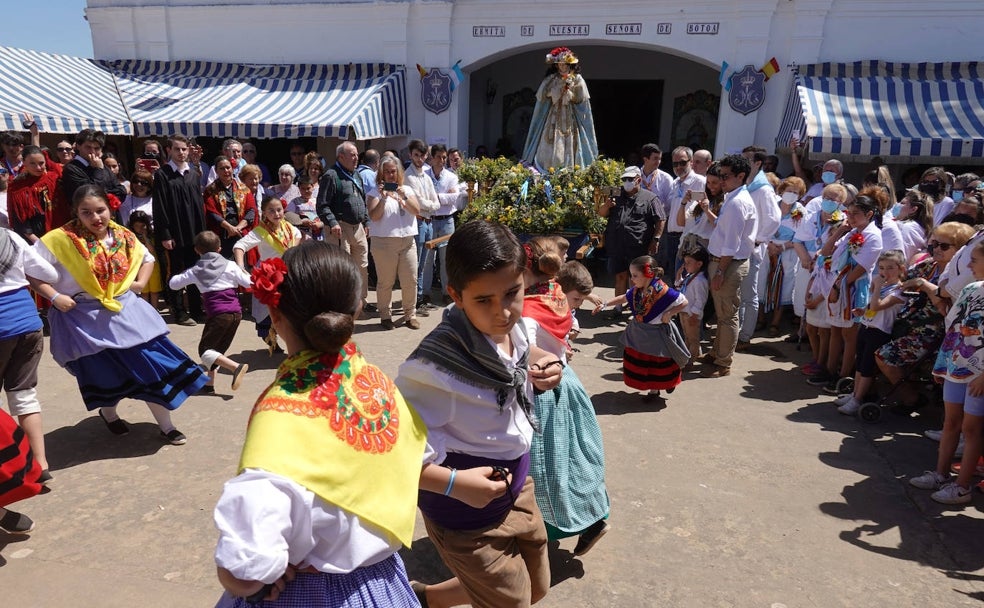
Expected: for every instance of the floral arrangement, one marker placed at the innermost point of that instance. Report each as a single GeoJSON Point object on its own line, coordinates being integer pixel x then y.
{"type": "Point", "coordinates": [267, 277]}
{"type": "Point", "coordinates": [855, 242]}
{"type": "Point", "coordinates": [836, 218]}
{"type": "Point", "coordinates": [796, 214]}
{"type": "Point", "coordinates": [561, 54]}
{"type": "Point", "coordinates": [530, 202]}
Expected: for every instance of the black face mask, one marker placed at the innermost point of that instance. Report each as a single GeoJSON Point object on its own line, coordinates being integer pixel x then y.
{"type": "Point", "coordinates": [930, 188]}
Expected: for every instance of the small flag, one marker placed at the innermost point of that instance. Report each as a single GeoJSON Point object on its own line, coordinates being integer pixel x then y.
{"type": "Point", "coordinates": [725, 76]}
{"type": "Point", "coordinates": [423, 72]}
{"type": "Point", "coordinates": [457, 76]}
{"type": "Point", "coordinates": [770, 69]}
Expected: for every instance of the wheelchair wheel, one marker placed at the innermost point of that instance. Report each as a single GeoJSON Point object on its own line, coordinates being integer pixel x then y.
{"type": "Point", "coordinates": [845, 386]}
{"type": "Point", "coordinates": [870, 412]}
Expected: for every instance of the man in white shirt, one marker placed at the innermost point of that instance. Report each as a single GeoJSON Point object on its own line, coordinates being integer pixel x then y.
{"type": "Point", "coordinates": [769, 217]}
{"type": "Point", "coordinates": [702, 162]}
{"type": "Point", "coordinates": [418, 179]}
{"type": "Point", "coordinates": [233, 150]}
{"type": "Point", "coordinates": [442, 221]}
{"type": "Point", "coordinates": [686, 180]}
{"type": "Point", "coordinates": [655, 179]}
{"type": "Point", "coordinates": [730, 246]}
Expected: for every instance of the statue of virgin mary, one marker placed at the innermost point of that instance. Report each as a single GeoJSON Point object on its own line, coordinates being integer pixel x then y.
{"type": "Point", "coordinates": [562, 128]}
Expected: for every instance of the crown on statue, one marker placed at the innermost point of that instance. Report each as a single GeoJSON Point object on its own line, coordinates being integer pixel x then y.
{"type": "Point", "coordinates": [561, 54]}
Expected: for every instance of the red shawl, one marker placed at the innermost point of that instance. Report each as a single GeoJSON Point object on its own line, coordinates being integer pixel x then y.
{"type": "Point", "coordinates": [215, 202]}
{"type": "Point", "coordinates": [547, 304]}
{"type": "Point", "coordinates": [29, 196]}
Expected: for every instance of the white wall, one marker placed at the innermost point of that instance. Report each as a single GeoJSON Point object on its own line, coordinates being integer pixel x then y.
{"type": "Point", "coordinates": [438, 33]}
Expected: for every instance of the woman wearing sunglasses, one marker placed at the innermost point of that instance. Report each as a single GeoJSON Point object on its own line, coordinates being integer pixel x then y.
{"type": "Point", "coordinates": [140, 198]}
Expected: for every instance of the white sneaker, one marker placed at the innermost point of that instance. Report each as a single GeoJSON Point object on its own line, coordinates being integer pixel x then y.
{"type": "Point", "coordinates": [843, 399]}
{"type": "Point", "coordinates": [934, 434]}
{"type": "Point", "coordinates": [952, 494]}
{"type": "Point", "coordinates": [850, 407]}
{"type": "Point", "coordinates": [930, 480]}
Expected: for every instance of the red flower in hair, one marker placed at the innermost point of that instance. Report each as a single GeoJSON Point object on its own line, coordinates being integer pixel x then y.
{"type": "Point", "coordinates": [648, 271]}
{"type": "Point", "coordinates": [267, 277]}
{"type": "Point", "coordinates": [529, 255]}
{"type": "Point", "coordinates": [113, 201]}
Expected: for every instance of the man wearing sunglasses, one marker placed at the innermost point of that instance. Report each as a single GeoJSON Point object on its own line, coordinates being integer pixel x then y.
{"type": "Point", "coordinates": [635, 223]}
{"type": "Point", "coordinates": [686, 180]}
{"type": "Point", "coordinates": [731, 244]}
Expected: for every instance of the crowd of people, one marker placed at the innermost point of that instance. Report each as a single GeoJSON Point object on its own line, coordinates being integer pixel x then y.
{"type": "Point", "coordinates": [876, 283]}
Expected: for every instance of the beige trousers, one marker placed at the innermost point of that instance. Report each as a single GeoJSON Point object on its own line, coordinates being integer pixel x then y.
{"type": "Point", "coordinates": [355, 243]}
{"type": "Point", "coordinates": [727, 301]}
{"type": "Point", "coordinates": [395, 255]}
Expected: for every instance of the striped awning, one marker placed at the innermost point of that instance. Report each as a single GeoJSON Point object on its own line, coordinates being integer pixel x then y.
{"type": "Point", "coordinates": [916, 111]}
{"type": "Point", "coordinates": [197, 98]}
{"type": "Point", "coordinates": [64, 94]}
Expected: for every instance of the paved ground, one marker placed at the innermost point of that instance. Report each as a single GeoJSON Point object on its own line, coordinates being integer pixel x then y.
{"type": "Point", "coordinates": [741, 491]}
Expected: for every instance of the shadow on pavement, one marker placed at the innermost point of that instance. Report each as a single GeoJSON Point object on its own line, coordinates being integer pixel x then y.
{"type": "Point", "coordinates": [89, 440]}
{"type": "Point", "coordinates": [617, 403]}
{"type": "Point", "coordinates": [259, 358]}
{"type": "Point", "coordinates": [7, 540]}
{"type": "Point", "coordinates": [775, 385]}
{"type": "Point", "coordinates": [884, 514]}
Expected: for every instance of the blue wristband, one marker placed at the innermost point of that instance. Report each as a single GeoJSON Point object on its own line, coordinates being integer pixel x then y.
{"type": "Point", "coordinates": [447, 491]}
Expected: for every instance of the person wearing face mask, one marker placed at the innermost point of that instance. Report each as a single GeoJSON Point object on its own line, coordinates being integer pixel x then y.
{"type": "Point", "coordinates": [783, 265]}
{"type": "Point", "coordinates": [933, 183]}
{"type": "Point", "coordinates": [965, 184]}
{"type": "Point", "coordinates": [833, 172]}
{"type": "Point", "coordinates": [814, 279]}
{"type": "Point", "coordinates": [635, 221]}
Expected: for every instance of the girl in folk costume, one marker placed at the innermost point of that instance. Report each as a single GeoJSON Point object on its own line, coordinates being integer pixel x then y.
{"type": "Point", "coordinates": [110, 339]}
{"type": "Point", "coordinates": [272, 237]}
{"type": "Point", "coordinates": [34, 200]}
{"type": "Point", "coordinates": [655, 351]}
{"type": "Point", "coordinates": [230, 208]}
{"type": "Point", "coordinates": [853, 249]}
{"type": "Point", "coordinates": [567, 458]}
{"type": "Point", "coordinates": [19, 475]}
{"type": "Point", "coordinates": [327, 484]}
{"type": "Point", "coordinates": [695, 287]}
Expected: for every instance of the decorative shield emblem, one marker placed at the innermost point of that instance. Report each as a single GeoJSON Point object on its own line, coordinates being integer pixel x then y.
{"type": "Point", "coordinates": [747, 90]}
{"type": "Point", "coordinates": [435, 91]}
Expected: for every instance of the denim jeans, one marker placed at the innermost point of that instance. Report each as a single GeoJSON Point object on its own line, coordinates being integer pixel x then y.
{"type": "Point", "coordinates": [425, 232]}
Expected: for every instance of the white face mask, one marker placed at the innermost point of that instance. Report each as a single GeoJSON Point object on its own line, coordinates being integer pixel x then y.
{"type": "Point", "coordinates": [789, 197]}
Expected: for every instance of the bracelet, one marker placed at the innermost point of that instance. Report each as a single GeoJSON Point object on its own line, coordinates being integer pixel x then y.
{"type": "Point", "coordinates": [447, 491]}
{"type": "Point", "coordinates": [52, 298]}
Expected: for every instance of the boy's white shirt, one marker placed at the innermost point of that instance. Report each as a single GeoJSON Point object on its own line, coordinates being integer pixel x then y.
{"type": "Point", "coordinates": [464, 418]}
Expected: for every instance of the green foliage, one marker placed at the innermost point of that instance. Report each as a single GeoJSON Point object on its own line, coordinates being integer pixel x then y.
{"type": "Point", "coordinates": [570, 206]}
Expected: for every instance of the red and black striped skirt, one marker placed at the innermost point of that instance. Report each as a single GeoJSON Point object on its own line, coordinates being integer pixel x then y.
{"type": "Point", "coordinates": [649, 372]}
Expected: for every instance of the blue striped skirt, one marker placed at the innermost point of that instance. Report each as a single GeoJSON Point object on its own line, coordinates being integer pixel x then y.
{"type": "Point", "coordinates": [381, 585]}
{"type": "Point", "coordinates": [156, 371]}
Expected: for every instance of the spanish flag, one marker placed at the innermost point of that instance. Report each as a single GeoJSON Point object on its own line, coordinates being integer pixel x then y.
{"type": "Point", "coordinates": [770, 69]}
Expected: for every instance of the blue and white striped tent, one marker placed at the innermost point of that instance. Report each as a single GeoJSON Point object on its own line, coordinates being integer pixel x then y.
{"type": "Point", "coordinates": [64, 94]}
{"type": "Point", "coordinates": [198, 98]}
{"type": "Point", "coordinates": [909, 111]}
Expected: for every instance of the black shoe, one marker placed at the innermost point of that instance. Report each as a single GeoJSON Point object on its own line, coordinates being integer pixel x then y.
{"type": "Point", "coordinates": [174, 437]}
{"type": "Point", "coordinates": [590, 537]}
{"type": "Point", "coordinates": [370, 308]}
{"type": "Point", "coordinates": [186, 321]}
{"type": "Point", "coordinates": [422, 309]}
{"type": "Point", "coordinates": [208, 389]}
{"type": "Point", "coordinates": [237, 376]}
{"type": "Point", "coordinates": [13, 522]}
{"type": "Point", "coordinates": [821, 379]}
{"type": "Point", "coordinates": [116, 427]}
{"type": "Point", "coordinates": [387, 324]}
{"type": "Point", "coordinates": [45, 477]}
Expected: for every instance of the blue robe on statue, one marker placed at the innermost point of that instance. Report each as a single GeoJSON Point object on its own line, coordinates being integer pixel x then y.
{"type": "Point", "coordinates": [562, 128]}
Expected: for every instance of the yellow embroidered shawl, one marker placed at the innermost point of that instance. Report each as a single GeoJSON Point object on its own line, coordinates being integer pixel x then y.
{"type": "Point", "coordinates": [338, 426]}
{"type": "Point", "coordinates": [103, 273]}
{"type": "Point", "coordinates": [278, 240]}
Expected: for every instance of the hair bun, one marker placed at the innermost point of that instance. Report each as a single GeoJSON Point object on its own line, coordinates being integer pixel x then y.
{"type": "Point", "coordinates": [329, 331]}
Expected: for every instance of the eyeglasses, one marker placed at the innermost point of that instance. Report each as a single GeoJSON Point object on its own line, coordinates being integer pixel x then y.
{"type": "Point", "coordinates": [63, 149]}
{"type": "Point", "coordinates": [680, 163]}
{"type": "Point", "coordinates": [973, 189]}
{"type": "Point", "coordinates": [140, 182]}
{"type": "Point", "coordinates": [628, 180]}
{"type": "Point", "coordinates": [941, 246]}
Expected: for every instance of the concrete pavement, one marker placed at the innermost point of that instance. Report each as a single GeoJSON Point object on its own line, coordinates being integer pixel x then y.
{"type": "Point", "coordinates": [748, 490]}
